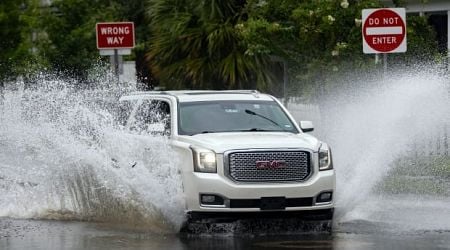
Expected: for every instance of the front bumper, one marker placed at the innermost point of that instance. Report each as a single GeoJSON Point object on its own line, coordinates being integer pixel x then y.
{"type": "Point", "coordinates": [252, 197]}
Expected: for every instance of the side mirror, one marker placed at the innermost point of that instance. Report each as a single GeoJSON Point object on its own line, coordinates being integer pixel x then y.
{"type": "Point", "coordinates": [151, 129]}
{"type": "Point", "coordinates": [306, 126]}
{"type": "Point", "coordinates": [156, 128]}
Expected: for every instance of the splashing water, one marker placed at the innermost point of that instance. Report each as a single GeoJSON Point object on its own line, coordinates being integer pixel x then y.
{"type": "Point", "coordinates": [370, 127]}
{"type": "Point", "coordinates": [63, 156]}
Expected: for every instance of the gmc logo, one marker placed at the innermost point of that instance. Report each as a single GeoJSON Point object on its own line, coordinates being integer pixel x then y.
{"type": "Point", "coordinates": [271, 164]}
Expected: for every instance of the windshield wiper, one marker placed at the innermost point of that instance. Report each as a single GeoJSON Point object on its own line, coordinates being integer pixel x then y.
{"type": "Point", "coordinates": [203, 132]}
{"type": "Point", "coordinates": [266, 118]}
{"type": "Point", "coordinates": [257, 129]}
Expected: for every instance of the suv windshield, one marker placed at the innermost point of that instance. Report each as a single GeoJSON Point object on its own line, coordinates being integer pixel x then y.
{"type": "Point", "coordinates": [232, 116]}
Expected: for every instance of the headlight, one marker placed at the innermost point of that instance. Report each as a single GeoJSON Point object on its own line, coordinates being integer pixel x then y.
{"type": "Point", "coordinates": [204, 160]}
{"type": "Point", "coordinates": [325, 162]}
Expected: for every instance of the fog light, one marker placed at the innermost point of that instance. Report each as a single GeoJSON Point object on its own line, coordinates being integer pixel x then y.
{"type": "Point", "coordinates": [208, 198]}
{"type": "Point", "coordinates": [211, 199]}
{"type": "Point", "coordinates": [324, 197]}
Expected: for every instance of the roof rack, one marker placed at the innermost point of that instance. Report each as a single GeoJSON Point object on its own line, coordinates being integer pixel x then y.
{"type": "Point", "coordinates": [196, 92]}
{"type": "Point", "coordinates": [148, 92]}
{"type": "Point", "coordinates": [207, 92]}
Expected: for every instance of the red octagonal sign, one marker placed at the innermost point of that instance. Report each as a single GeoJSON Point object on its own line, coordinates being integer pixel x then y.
{"type": "Point", "coordinates": [384, 30]}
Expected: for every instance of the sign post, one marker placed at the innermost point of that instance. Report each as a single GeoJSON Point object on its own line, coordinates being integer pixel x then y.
{"type": "Point", "coordinates": [115, 39]}
{"type": "Point", "coordinates": [384, 31]}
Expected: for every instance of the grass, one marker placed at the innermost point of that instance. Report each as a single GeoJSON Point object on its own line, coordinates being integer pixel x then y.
{"type": "Point", "coordinates": [418, 175]}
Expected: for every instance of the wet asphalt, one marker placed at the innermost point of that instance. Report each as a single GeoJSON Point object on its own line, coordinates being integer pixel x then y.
{"type": "Point", "coordinates": [47, 234]}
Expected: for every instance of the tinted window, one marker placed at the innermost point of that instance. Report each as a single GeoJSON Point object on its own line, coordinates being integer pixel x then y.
{"type": "Point", "coordinates": [151, 116]}
{"type": "Point", "coordinates": [231, 116]}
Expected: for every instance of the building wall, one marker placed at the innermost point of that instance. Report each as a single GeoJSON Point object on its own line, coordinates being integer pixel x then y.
{"type": "Point", "coordinates": [438, 12]}
{"type": "Point", "coordinates": [417, 6]}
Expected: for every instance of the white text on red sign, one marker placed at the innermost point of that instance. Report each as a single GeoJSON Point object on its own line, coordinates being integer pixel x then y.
{"type": "Point", "coordinates": [115, 31]}
{"type": "Point", "coordinates": [116, 35]}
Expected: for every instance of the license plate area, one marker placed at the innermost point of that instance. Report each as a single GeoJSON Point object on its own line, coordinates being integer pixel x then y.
{"type": "Point", "coordinates": [272, 203]}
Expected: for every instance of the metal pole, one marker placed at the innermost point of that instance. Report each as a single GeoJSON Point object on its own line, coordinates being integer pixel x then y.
{"type": "Point", "coordinates": [448, 40]}
{"type": "Point", "coordinates": [385, 62]}
{"type": "Point", "coordinates": [285, 79]}
{"type": "Point", "coordinates": [116, 65]}
{"type": "Point", "coordinates": [2, 87]}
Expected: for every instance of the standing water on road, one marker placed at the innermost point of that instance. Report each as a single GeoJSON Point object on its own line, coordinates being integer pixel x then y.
{"type": "Point", "coordinates": [391, 151]}
{"type": "Point", "coordinates": [64, 157]}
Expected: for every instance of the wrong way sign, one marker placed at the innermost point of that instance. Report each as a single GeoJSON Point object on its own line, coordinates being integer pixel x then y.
{"type": "Point", "coordinates": [115, 35]}
{"type": "Point", "coordinates": [384, 30]}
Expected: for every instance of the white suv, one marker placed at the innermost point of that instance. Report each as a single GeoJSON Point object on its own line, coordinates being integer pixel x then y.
{"type": "Point", "coordinates": [242, 152]}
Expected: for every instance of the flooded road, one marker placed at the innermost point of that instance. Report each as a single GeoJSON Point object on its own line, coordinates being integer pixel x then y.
{"type": "Point", "coordinates": [395, 222]}
{"type": "Point", "coordinates": [38, 234]}
{"type": "Point", "coordinates": [64, 160]}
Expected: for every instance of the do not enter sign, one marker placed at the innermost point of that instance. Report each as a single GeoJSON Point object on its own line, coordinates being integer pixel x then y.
{"type": "Point", "coordinates": [384, 30]}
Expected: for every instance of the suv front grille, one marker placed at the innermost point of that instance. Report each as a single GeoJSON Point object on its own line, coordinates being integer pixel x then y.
{"type": "Point", "coordinates": [269, 166]}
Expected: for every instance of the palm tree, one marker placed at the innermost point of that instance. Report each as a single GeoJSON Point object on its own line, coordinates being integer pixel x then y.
{"type": "Point", "coordinates": [195, 44]}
